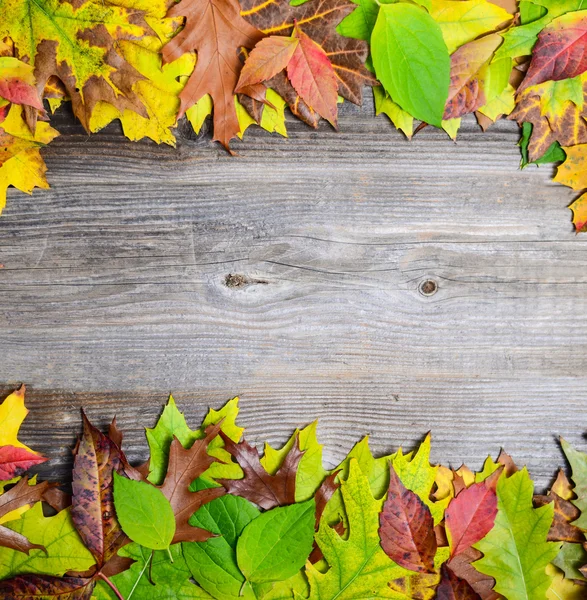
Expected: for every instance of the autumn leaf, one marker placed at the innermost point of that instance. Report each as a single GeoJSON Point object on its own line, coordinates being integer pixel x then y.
{"type": "Point", "coordinates": [54, 36]}
{"type": "Point", "coordinates": [92, 511]}
{"type": "Point", "coordinates": [257, 485]}
{"type": "Point", "coordinates": [318, 19]}
{"type": "Point", "coordinates": [579, 208]}
{"type": "Point", "coordinates": [45, 587]}
{"type": "Point", "coordinates": [471, 515]}
{"type": "Point", "coordinates": [17, 83]}
{"type": "Point", "coordinates": [407, 528]}
{"type": "Point", "coordinates": [520, 532]}
{"type": "Point", "coordinates": [184, 467]}
{"type": "Point", "coordinates": [561, 50]}
{"type": "Point", "coordinates": [573, 171]}
{"type": "Point", "coordinates": [462, 566]}
{"type": "Point", "coordinates": [453, 588]}
{"type": "Point", "coordinates": [15, 461]}
{"type": "Point", "coordinates": [578, 462]}
{"type": "Point", "coordinates": [214, 29]}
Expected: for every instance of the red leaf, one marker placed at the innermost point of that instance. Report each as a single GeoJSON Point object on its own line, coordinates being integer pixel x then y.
{"type": "Point", "coordinates": [15, 461]}
{"type": "Point", "coordinates": [406, 528]}
{"type": "Point", "coordinates": [22, 494]}
{"type": "Point", "coordinates": [45, 587]}
{"type": "Point", "coordinates": [471, 515]}
{"type": "Point", "coordinates": [313, 77]}
{"type": "Point", "coordinates": [184, 466]}
{"type": "Point", "coordinates": [453, 588]}
{"type": "Point", "coordinates": [92, 512]}
{"type": "Point", "coordinates": [322, 496]}
{"type": "Point", "coordinates": [267, 491]}
{"type": "Point", "coordinates": [560, 52]}
{"type": "Point", "coordinates": [270, 56]}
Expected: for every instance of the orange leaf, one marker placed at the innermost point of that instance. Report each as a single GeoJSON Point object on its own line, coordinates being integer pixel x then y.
{"type": "Point", "coordinates": [313, 77]}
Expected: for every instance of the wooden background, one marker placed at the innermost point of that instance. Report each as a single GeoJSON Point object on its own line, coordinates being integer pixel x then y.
{"type": "Point", "coordinates": [291, 276]}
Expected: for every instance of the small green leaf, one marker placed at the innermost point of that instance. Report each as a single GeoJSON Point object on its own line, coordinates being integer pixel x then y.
{"type": "Point", "coordinates": [144, 513]}
{"type": "Point", "coordinates": [554, 153]}
{"type": "Point", "coordinates": [276, 544]}
{"type": "Point", "coordinates": [411, 60]}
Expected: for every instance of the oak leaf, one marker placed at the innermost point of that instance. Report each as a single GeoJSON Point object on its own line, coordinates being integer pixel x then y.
{"type": "Point", "coordinates": [462, 566]}
{"type": "Point", "coordinates": [561, 50]}
{"type": "Point", "coordinates": [407, 528]}
{"type": "Point", "coordinates": [453, 588]}
{"type": "Point", "coordinates": [215, 30]}
{"type": "Point", "coordinates": [257, 485]}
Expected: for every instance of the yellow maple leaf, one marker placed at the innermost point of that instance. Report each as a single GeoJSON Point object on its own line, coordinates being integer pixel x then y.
{"type": "Point", "coordinates": [579, 208]}
{"type": "Point", "coordinates": [573, 171]}
{"type": "Point", "coordinates": [12, 414]}
{"type": "Point", "coordinates": [21, 165]}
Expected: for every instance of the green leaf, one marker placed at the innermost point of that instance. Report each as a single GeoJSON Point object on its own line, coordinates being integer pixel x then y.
{"type": "Point", "coordinates": [399, 117]}
{"type": "Point", "coordinates": [411, 60]}
{"type": "Point", "coordinates": [311, 472]}
{"type": "Point", "coordinates": [578, 462]}
{"type": "Point", "coordinates": [570, 559]}
{"type": "Point", "coordinates": [171, 579]}
{"type": "Point", "coordinates": [356, 567]}
{"type": "Point", "coordinates": [359, 24]}
{"type": "Point", "coordinates": [65, 549]}
{"type": "Point", "coordinates": [554, 153]}
{"type": "Point", "coordinates": [516, 552]}
{"type": "Point", "coordinates": [530, 12]}
{"type": "Point", "coordinates": [276, 544]}
{"type": "Point", "coordinates": [213, 563]}
{"type": "Point", "coordinates": [144, 513]}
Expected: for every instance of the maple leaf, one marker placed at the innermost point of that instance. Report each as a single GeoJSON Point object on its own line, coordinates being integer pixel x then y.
{"type": "Point", "coordinates": [560, 52]}
{"type": "Point", "coordinates": [21, 164]}
{"type": "Point", "coordinates": [471, 515]}
{"type": "Point", "coordinates": [453, 588]}
{"type": "Point", "coordinates": [96, 458]}
{"type": "Point", "coordinates": [319, 20]}
{"type": "Point", "coordinates": [54, 37]}
{"type": "Point", "coordinates": [21, 495]}
{"type": "Point", "coordinates": [17, 83]}
{"type": "Point", "coordinates": [406, 528]}
{"type": "Point", "coordinates": [184, 467]}
{"type": "Point", "coordinates": [257, 485]}
{"type": "Point", "coordinates": [216, 31]}
{"type": "Point", "coordinates": [573, 171]}
{"type": "Point", "coordinates": [520, 531]}
{"type": "Point", "coordinates": [579, 208]}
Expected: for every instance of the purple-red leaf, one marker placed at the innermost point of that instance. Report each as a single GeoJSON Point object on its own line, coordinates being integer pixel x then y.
{"type": "Point", "coordinates": [258, 486]}
{"type": "Point", "coordinates": [560, 52]}
{"type": "Point", "coordinates": [453, 588]}
{"type": "Point", "coordinates": [15, 461]}
{"type": "Point", "coordinates": [406, 528]}
{"type": "Point", "coordinates": [471, 515]}
{"type": "Point", "coordinates": [45, 587]}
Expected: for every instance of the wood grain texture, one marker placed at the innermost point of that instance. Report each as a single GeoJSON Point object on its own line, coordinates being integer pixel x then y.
{"type": "Point", "coordinates": [291, 276]}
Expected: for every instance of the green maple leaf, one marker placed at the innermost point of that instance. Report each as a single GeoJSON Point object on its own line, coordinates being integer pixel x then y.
{"type": "Point", "coordinates": [65, 549]}
{"type": "Point", "coordinates": [578, 462]}
{"type": "Point", "coordinates": [172, 424]}
{"type": "Point", "coordinates": [170, 579]}
{"type": "Point", "coordinates": [311, 472]}
{"type": "Point", "coordinates": [357, 566]}
{"type": "Point", "coordinates": [516, 552]}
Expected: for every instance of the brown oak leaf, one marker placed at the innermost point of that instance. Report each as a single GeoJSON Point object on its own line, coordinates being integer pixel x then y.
{"type": "Point", "coordinates": [216, 31]}
{"type": "Point", "coordinates": [184, 466]}
{"type": "Point", "coordinates": [22, 494]}
{"type": "Point", "coordinates": [258, 486]}
{"type": "Point", "coordinates": [452, 587]}
{"type": "Point", "coordinates": [461, 566]}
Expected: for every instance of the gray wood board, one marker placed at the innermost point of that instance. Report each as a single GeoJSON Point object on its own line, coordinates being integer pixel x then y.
{"type": "Point", "coordinates": [114, 290]}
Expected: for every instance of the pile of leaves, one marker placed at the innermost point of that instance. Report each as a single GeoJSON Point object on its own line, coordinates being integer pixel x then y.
{"type": "Point", "coordinates": [147, 63]}
{"type": "Point", "coordinates": [207, 517]}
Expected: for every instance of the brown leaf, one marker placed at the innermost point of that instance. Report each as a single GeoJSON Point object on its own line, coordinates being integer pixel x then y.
{"type": "Point", "coordinates": [45, 587]}
{"type": "Point", "coordinates": [184, 466]}
{"type": "Point", "coordinates": [22, 494]}
{"type": "Point", "coordinates": [92, 512]}
{"type": "Point", "coordinates": [318, 19]}
{"type": "Point", "coordinates": [453, 588]}
{"type": "Point", "coordinates": [406, 528]}
{"type": "Point", "coordinates": [216, 31]}
{"type": "Point", "coordinates": [139, 473]}
{"type": "Point", "coordinates": [483, 584]}
{"type": "Point", "coordinates": [258, 486]}
{"type": "Point", "coordinates": [322, 496]}
{"type": "Point", "coordinates": [508, 463]}
{"type": "Point", "coordinates": [57, 499]}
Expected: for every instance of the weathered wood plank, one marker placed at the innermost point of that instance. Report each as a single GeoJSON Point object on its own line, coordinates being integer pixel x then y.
{"type": "Point", "coordinates": [291, 276]}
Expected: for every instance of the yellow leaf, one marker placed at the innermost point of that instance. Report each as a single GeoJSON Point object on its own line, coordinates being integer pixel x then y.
{"type": "Point", "coordinates": [24, 168]}
{"type": "Point", "coordinates": [464, 21]}
{"type": "Point", "coordinates": [579, 208]}
{"type": "Point", "coordinates": [561, 588]}
{"type": "Point", "coordinates": [573, 172]}
{"type": "Point", "coordinates": [12, 414]}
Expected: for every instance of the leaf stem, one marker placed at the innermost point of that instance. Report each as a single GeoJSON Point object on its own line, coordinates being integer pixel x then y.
{"type": "Point", "coordinates": [169, 552]}
{"type": "Point", "coordinates": [111, 585]}
{"type": "Point", "coordinates": [139, 577]}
